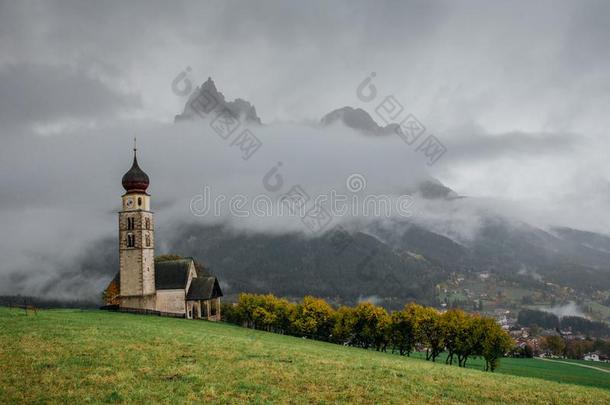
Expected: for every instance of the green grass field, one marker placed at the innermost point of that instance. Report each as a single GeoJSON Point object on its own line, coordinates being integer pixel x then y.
{"type": "Point", "coordinates": [599, 364]}
{"type": "Point", "coordinates": [94, 356]}
{"type": "Point", "coordinates": [547, 370]}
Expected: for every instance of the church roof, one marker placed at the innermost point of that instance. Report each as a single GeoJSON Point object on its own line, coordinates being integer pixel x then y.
{"type": "Point", "coordinates": [135, 179]}
{"type": "Point", "coordinates": [204, 288]}
{"type": "Point", "coordinates": [172, 274]}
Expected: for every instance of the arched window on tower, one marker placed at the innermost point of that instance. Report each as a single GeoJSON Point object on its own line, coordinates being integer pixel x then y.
{"type": "Point", "coordinates": [147, 240]}
{"type": "Point", "coordinates": [131, 240]}
{"type": "Point", "coordinates": [131, 223]}
{"type": "Point", "coordinates": [147, 223]}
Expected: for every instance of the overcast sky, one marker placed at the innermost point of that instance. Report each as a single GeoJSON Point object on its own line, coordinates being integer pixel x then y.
{"type": "Point", "coordinates": [519, 92]}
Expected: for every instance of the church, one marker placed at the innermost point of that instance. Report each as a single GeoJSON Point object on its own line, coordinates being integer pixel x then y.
{"type": "Point", "coordinates": [176, 287]}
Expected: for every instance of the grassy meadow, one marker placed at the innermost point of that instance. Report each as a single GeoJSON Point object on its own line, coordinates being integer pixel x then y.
{"type": "Point", "coordinates": [75, 356]}
{"type": "Point", "coordinates": [598, 364]}
{"type": "Point", "coordinates": [546, 370]}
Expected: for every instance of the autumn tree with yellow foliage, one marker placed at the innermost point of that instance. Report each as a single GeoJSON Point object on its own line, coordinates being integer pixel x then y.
{"type": "Point", "coordinates": [369, 326]}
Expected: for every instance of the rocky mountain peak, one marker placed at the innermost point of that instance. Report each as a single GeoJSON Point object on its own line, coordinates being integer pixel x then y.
{"type": "Point", "coordinates": [359, 120]}
{"type": "Point", "coordinates": [207, 102]}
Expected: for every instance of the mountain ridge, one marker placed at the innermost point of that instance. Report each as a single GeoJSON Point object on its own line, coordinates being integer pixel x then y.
{"type": "Point", "coordinates": [207, 100]}
{"type": "Point", "coordinates": [358, 119]}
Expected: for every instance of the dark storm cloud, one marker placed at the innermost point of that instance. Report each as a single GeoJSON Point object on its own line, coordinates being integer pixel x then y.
{"type": "Point", "coordinates": [45, 94]}
{"type": "Point", "coordinates": [298, 60]}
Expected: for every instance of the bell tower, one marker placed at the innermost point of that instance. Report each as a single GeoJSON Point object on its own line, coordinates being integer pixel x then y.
{"type": "Point", "coordinates": [136, 241]}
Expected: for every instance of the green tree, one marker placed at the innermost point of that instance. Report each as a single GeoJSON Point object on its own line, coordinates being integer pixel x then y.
{"type": "Point", "coordinates": [265, 312]}
{"type": "Point", "coordinates": [403, 329]}
{"type": "Point", "coordinates": [576, 349]}
{"type": "Point", "coordinates": [602, 346]}
{"type": "Point", "coordinates": [430, 331]}
{"type": "Point", "coordinates": [313, 317]}
{"type": "Point", "coordinates": [370, 326]}
{"type": "Point", "coordinates": [554, 345]}
{"type": "Point", "coordinates": [453, 322]}
{"type": "Point", "coordinates": [496, 342]}
{"type": "Point", "coordinates": [264, 318]}
{"type": "Point", "coordinates": [230, 313]}
{"type": "Point", "coordinates": [381, 331]}
{"type": "Point", "coordinates": [469, 339]}
{"type": "Point", "coordinates": [343, 325]}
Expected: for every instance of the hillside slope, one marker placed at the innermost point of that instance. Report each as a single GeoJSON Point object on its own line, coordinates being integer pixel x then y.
{"type": "Point", "coordinates": [94, 356]}
{"type": "Point", "coordinates": [293, 266]}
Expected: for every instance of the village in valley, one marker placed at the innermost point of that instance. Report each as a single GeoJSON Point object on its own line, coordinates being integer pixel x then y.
{"type": "Point", "coordinates": [533, 316]}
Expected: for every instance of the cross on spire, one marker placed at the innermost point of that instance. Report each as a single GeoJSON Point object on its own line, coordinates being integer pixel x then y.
{"type": "Point", "coordinates": [134, 146]}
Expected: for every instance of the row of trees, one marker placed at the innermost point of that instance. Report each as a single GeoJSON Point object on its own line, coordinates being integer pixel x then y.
{"type": "Point", "coordinates": [573, 349]}
{"type": "Point", "coordinates": [368, 326]}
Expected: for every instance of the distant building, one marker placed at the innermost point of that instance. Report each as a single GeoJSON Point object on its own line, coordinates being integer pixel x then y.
{"type": "Point", "coordinates": [519, 333]}
{"type": "Point", "coordinates": [591, 357]}
{"type": "Point", "coordinates": [172, 287]}
{"type": "Point", "coordinates": [549, 332]}
{"type": "Point", "coordinates": [533, 343]}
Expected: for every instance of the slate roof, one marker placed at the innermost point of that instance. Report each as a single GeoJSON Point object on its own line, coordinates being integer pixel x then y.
{"type": "Point", "coordinates": [172, 274]}
{"type": "Point", "coordinates": [204, 288]}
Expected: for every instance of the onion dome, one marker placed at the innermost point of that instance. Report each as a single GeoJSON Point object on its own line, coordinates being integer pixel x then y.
{"type": "Point", "coordinates": [135, 179]}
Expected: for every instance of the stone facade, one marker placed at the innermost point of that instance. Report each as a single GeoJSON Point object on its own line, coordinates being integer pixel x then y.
{"type": "Point", "coordinates": [172, 301]}
{"type": "Point", "coordinates": [136, 251]}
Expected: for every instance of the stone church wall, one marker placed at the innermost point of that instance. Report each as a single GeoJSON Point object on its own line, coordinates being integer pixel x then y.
{"type": "Point", "coordinates": [137, 262]}
{"type": "Point", "coordinates": [171, 301]}
{"type": "Point", "coordinates": [131, 278]}
{"type": "Point", "coordinates": [145, 302]}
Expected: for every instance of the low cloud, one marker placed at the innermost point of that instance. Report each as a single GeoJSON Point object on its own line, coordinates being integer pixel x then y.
{"type": "Point", "coordinates": [373, 299]}
{"type": "Point", "coordinates": [57, 99]}
{"type": "Point", "coordinates": [569, 309]}
{"type": "Point", "coordinates": [62, 198]}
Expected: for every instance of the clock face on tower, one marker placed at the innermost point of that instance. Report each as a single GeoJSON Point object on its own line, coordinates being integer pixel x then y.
{"type": "Point", "coordinates": [129, 203]}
